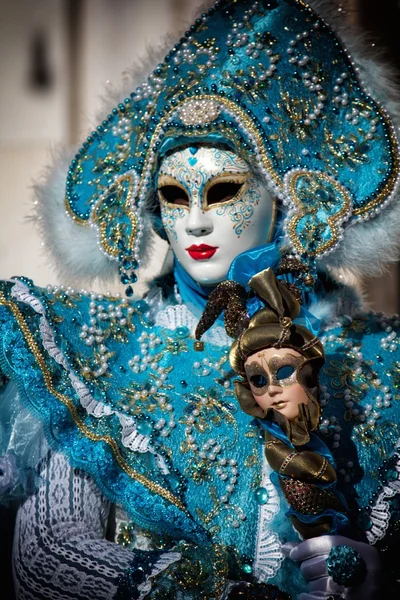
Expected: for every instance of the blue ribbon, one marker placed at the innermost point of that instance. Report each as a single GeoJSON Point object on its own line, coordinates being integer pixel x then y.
{"type": "Point", "coordinates": [242, 269]}
{"type": "Point", "coordinates": [251, 262]}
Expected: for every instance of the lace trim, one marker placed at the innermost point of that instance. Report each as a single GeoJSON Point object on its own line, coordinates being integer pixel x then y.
{"type": "Point", "coordinates": [130, 437]}
{"type": "Point", "coordinates": [269, 555]}
{"type": "Point", "coordinates": [380, 514]}
{"type": "Point", "coordinates": [95, 408]}
{"type": "Point", "coordinates": [178, 315]}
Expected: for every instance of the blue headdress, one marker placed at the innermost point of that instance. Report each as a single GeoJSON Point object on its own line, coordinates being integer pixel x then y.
{"type": "Point", "coordinates": [272, 80]}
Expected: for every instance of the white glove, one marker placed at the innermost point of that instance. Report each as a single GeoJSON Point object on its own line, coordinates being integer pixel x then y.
{"type": "Point", "coordinates": [313, 553]}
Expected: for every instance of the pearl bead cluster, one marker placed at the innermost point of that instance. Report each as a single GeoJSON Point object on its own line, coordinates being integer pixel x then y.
{"type": "Point", "coordinates": [140, 363]}
{"type": "Point", "coordinates": [186, 55]}
{"type": "Point", "coordinates": [199, 111]}
{"type": "Point", "coordinates": [123, 130]}
{"type": "Point", "coordinates": [355, 115]}
{"type": "Point", "coordinates": [324, 395]}
{"type": "Point", "coordinates": [347, 472]}
{"type": "Point", "coordinates": [239, 38]}
{"type": "Point", "coordinates": [311, 82]}
{"type": "Point", "coordinates": [328, 427]}
{"type": "Point", "coordinates": [148, 360]}
{"type": "Point", "coordinates": [370, 412]}
{"type": "Point", "coordinates": [391, 341]}
{"type": "Point", "coordinates": [94, 335]}
{"type": "Point", "coordinates": [203, 369]}
{"type": "Point", "coordinates": [342, 97]}
{"type": "Point", "coordinates": [225, 469]}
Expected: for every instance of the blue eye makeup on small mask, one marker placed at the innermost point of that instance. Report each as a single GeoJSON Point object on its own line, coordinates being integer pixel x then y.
{"type": "Point", "coordinates": [258, 380]}
{"type": "Point", "coordinates": [285, 372]}
{"type": "Point", "coordinates": [281, 371]}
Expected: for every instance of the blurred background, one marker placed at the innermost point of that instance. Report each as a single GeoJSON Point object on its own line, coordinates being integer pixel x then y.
{"type": "Point", "coordinates": [57, 58]}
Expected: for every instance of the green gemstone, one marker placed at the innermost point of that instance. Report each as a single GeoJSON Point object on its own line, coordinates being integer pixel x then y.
{"type": "Point", "coordinates": [261, 495]}
{"type": "Point", "coordinates": [247, 569]}
{"type": "Point", "coordinates": [144, 428]}
{"type": "Point", "coordinates": [392, 474]}
{"type": "Point", "coordinates": [182, 332]}
{"type": "Point", "coordinates": [173, 481]}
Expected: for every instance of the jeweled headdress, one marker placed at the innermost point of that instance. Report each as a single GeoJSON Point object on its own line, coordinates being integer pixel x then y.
{"type": "Point", "coordinates": [270, 79]}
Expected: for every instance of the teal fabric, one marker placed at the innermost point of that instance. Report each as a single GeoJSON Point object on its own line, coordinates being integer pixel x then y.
{"type": "Point", "coordinates": [364, 456]}
{"type": "Point", "coordinates": [251, 262]}
{"type": "Point", "coordinates": [193, 294]}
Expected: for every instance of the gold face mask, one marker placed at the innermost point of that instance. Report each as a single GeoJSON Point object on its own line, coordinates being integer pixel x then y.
{"type": "Point", "coordinates": [281, 371]}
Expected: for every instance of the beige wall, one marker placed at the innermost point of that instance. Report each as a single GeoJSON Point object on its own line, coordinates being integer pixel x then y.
{"type": "Point", "coordinates": [112, 35]}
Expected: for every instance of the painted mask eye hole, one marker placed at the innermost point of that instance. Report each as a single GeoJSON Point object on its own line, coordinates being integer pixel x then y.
{"type": "Point", "coordinates": [258, 380]}
{"type": "Point", "coordinates": [222, 192]}
{"type": "Point", "coordinates": [173, 194]}
{"type": "Point", "coordinates": [285, 372]}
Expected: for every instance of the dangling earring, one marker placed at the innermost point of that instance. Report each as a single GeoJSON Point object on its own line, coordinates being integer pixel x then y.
{"type": "Point", "coordinates": [126, 268]}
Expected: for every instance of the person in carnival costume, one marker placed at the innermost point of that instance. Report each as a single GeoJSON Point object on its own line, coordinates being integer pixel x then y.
{"type": "Point", "coordinates": [256, 142]}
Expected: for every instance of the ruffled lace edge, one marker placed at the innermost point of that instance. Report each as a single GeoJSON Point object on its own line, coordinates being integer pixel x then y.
{"type": "Point", "coordinates": [130, 437]}
{"type": "Point", "coordinates": [380, 513]}
{"type": "Point", "coordinates": [268, 555]}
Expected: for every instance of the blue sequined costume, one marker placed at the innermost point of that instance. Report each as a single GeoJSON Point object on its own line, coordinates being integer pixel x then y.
{"type": "Point", "coordinates": [123, 396]}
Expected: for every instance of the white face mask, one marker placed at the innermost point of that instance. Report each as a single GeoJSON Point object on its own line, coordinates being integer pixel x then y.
{"type": "Point", "coordinates": [213, 208]}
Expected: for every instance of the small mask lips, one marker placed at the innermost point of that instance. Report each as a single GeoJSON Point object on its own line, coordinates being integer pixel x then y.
{"type": "Point", "coordinates": [280, 404]}
{"type": "Point", "coordinates": [202, 251]}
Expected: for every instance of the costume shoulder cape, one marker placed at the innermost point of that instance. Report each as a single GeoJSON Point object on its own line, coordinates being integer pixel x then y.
{"type": "Point", "coordinates": [156, 424]}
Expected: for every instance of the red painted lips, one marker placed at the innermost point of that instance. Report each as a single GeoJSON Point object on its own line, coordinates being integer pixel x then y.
{"type": "Point", "coordinates": [201, 252]}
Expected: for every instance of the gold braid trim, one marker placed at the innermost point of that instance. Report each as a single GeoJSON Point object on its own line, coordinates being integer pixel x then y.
{"type": "Point", "coordinates": [271, 443]}
{"type": "Point", "coordinates": [153, 487]}
{"type": "Point", "coordinates": [286, 462]}
{"type": "Point", "coordinates": [322, 470]}
{"type": "Point", "coordinates": [220, 569]}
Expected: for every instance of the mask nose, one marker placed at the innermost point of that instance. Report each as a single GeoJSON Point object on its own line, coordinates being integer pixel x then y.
{"type": "Point", "coordinates": [198, 223]}
{"type": "Point", "coordinates": [274, 390]}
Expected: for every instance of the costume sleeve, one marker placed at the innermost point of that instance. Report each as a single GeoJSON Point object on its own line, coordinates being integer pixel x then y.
{"type": "Point", "coordinates": [60, 550]}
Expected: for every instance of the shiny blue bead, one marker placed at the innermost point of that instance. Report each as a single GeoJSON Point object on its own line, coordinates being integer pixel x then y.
{"type": "Point", "coordinates": [182, 331]}
{"type": "Point", "coordinates": [261, 495]}
{"type": "Point", "coordinates": [144, 428]}
{"type": "Point", "coordinates": [133, 278]}
{"type": "Point", "coordinates": [246, 568]}
{"type": "Point", "coordinates": [129, 291]}
{"type": "Point", "coordinates": [142, 305]}
{"type": "Point", "coordinates": [392, 474]}
{"type": "Point", "coordinates": [173, 481]}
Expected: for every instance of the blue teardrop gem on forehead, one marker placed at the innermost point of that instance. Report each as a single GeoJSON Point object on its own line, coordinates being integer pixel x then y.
{"type": "Point", "coordinates": [193, 150]}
